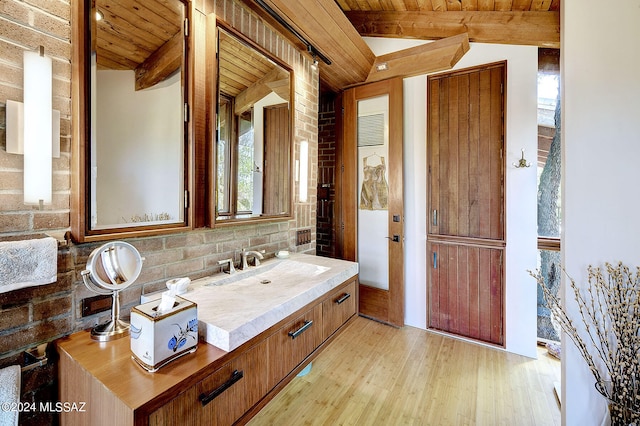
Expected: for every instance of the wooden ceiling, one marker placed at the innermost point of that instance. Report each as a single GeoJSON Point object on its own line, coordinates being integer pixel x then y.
{"type": "Point", "coordinates": [449, 5]}
{"type": "Point", "coordinates": [130, 31]}
{"type": "Point", "coordinates": [145, 35]}
{"type": "Point", "coordinates": [140, 35]}
{"type": "Point", "coordinates": [246, 74]}
{"type": "Point", "coordinates": [528, 22]}
{"type": "Point", "coordinates": [335, 27]}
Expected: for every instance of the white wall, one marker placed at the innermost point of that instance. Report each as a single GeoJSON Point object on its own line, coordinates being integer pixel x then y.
{"type": "Point", "coordinates": [521, 189]}
{"type": "Point", "coordinates": [600, 80]}
{"type": "Point", "coordinates": [139, 139]}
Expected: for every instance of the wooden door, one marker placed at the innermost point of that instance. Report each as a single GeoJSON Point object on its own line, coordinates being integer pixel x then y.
{"type": "Point", "coordinates": [465, 241]}
{"type": "Point", "coordinates": [384, 300]}
{"type": "Point", "coordinates": [276, 159]}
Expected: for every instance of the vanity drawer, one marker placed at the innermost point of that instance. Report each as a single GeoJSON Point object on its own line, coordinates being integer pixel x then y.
{"type": "Point", "coordinates": [338, 308]}
{"type": "Point", "coordinates": [222, 397]}
{"type": "Point", "coordinates": [292, 343]}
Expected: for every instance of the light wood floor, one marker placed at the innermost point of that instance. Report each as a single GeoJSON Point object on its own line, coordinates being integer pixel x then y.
{"type": "Point", "coordinates": [373, 374]}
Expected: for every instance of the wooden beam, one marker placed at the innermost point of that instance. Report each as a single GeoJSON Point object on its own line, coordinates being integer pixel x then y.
{"type": "Point", "coordinates": [161, 63]}
{"type": "Point", "coordinates": [430, 57]}
{"type": "Point", "coordinates": [516, 27]}
{"type": "Point", "coordinates": [281, 88]}
{"type": "Point", "coordinates": [258, 90]}
{"type": "Point", "coordinates": [325, 26]}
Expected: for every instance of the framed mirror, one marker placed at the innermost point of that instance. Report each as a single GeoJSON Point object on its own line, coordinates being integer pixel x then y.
{"type": "Point", "coordinates": [131, 108]}
{"type": "Point", "coordinates": [253, 147]}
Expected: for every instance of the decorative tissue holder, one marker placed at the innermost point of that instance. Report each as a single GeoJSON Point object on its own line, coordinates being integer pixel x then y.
{"type": "Point", "coordinates": [159, 338]}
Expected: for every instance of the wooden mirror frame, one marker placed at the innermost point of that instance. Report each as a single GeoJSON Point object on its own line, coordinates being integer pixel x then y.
{"type": "Point", "coordinates": [212, 37]}
{"type": "Point", "coordinates": [80, 165]}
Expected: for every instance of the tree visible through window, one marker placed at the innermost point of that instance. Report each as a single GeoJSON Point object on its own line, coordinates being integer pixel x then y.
{"type": "Point", "coordinates": [549, 174]}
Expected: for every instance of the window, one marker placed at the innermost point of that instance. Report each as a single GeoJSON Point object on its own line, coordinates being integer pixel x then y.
{"type": "Point", "coordinates": [549, 201]}
{"type": "Point", "coordinates": [235, 160]}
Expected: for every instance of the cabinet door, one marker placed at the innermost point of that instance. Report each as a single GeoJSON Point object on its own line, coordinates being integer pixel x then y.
{"type": "Point", "coordinates": [466, 238]}
{"type": "Point", "coordinates": [292, 343]}
{"type": "Point", "coordinates": [221, 398]}
{"type": "Point", "coordinates": [466, 291]}
{"type": "Point", "coordinates": [338, 308]}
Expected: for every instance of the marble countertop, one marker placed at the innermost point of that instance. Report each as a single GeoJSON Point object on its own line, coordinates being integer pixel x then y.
{"type": "Point", "coordinates": [232, 309]}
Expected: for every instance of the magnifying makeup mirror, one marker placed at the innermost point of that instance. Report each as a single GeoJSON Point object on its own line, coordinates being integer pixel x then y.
{"type": "Point", "coordinates": [111, 268]}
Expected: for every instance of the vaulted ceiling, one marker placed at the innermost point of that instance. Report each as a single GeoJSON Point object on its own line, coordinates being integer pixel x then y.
{"type": "Point", "coordinates": [336, 27]}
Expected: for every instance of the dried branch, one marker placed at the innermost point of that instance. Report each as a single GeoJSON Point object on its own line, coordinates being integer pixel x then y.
{"type": "Point", "coordinates": [609, 309]}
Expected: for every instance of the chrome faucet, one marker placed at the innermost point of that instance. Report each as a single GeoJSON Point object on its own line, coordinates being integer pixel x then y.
{"type": "Point", "coordinates": [257, 256]}
{"type": "Point", "coordinates": [232, 268]}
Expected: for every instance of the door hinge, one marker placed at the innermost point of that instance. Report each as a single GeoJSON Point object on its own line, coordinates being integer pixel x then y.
{"type": "Point", "coordinates": [186, 199]}
{"type": "Point", "coordinates": [342, 168]}
{"type": "Point", "coordinates": [501, 88]}
{"type": "Point", "coordinates": [342, 226]}
{"type": "Point", "coordinates": [186, 112]}
{"type": "Point", "coordinates": [186, 27]}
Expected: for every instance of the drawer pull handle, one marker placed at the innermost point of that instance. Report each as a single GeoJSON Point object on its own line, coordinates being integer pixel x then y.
{"type": "Point", "coordinates": [294, 334]}
{"type": "Point", "coordinates": [235, 376]}
{"type": "Point", "coordinates": [343, 298]}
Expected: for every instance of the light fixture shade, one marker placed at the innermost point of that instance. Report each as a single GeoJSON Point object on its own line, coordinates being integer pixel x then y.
{"type": "Point", "coordinates": [37, 128]}
{"type": "Point", "coordinates": [304, 171]}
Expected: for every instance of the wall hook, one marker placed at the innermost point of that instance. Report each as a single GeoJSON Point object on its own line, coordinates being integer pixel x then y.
{"type": "Point", "coordinates": [522, 162]}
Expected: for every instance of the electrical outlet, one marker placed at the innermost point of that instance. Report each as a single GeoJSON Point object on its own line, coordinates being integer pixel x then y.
{"type": "Point", "coordinates": [95, 304]}
{"type": "Point", "coordinates": [303, 236]}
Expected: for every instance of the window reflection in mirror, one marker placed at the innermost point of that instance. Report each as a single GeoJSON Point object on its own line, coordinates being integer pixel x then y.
{"type": "Point", "coordinates": [253, 147]}
{"type": "Point", "coordinates": [137, 132]}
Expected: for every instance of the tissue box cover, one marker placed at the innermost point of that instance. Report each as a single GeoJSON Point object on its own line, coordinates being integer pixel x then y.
{"type": "Point", "coordinates": [157, 339]}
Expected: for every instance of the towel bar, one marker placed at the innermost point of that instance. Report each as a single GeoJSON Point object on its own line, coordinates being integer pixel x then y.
{"type": "Point", "coordinates": [35, 357]}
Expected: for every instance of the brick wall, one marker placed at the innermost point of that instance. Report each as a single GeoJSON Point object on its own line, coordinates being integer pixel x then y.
{"type": "Point", "coordinates": [41, 314]}
{"type": "Point", "coordinates": [326, 232]}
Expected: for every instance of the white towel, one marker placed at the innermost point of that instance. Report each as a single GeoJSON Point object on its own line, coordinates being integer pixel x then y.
{"type": "Point", "coordinates": [28, 263]}
{"type": "Point", "coordinates": [10, 394]}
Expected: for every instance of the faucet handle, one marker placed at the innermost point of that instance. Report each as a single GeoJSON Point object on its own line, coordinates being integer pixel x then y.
{"type": "Point", "coordinates": [232, 268]}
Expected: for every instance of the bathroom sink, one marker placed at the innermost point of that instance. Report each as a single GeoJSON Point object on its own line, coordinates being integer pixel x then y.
{"type": "Point", "coordinates": [234, 308]}
{"type": "Point", "coordinates": [287, 273]}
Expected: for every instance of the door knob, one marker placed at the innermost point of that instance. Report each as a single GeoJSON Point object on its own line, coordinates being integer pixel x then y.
{"type": "Point", "coordinates": [395, 238]}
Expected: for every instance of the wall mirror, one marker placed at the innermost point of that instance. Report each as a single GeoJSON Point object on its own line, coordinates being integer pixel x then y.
{"type": "Point", "coordinates": [133, 137]}
{"type": "Point", "coordinates": [253, 148]}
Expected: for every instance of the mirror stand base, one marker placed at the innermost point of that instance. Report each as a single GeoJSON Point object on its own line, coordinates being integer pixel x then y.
{"type": "Point", "coordinates": [112, 330]}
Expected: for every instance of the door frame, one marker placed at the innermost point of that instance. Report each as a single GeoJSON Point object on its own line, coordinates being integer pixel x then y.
{"type": "Point", "coordinates": [384, 306]}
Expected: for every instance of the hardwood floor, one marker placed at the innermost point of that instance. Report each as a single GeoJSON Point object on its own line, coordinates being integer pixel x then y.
{"type": "Point", "coordinates": [373, 374]}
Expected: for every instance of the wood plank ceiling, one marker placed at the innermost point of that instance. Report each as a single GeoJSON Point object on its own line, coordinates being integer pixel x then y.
{"type": "Point", "coordinates": [529, 22]}
{"type": "Point", "coordinates": [141, 35]}
{"type": "Point", "coordinates": [334, 26]}
{"type": "Point", "coordinates": [150, 30]}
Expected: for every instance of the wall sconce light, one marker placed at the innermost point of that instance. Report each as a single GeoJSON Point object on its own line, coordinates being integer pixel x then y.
{"type": "Point", "coordinates": [33, 128]}
{"type": "Point", "coordinates": [522, 162]}
{"type": "Point", "coordinates": [304, 171]}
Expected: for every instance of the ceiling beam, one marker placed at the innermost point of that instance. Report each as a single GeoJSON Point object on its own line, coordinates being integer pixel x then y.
{"type": "Point", "coordinates": [258, 90]}
{"type": "Point", "coordinates": [427, 58]}
{"type": "Point", "coordinates": [323, 24]}
{"type": "Point", "coordinates": [160, 64]}
{"type": "Point", "coordinates": [509, 27]}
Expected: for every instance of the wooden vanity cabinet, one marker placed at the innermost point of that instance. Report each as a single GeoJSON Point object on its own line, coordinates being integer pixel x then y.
{"type": "Point", "coordinates": [292, 343]}
{"type": "Point", "coordinates": [338, 307]}
{"type": "Point", "coordinates": [222, 397]}
{"type": "Point", "coordinates": [239, 383]}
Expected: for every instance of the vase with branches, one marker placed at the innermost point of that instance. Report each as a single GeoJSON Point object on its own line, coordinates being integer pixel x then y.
{"type": "Point", "coordinates": [609, 338]}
